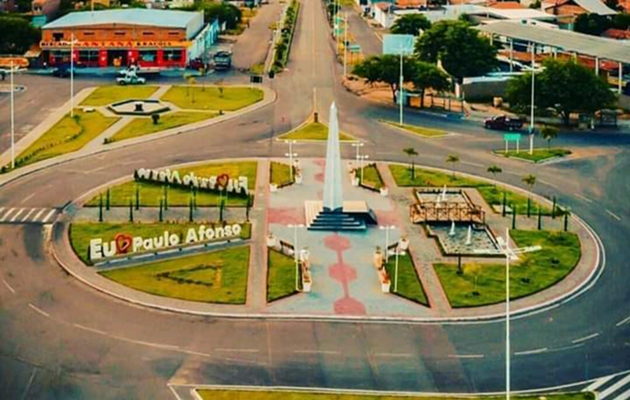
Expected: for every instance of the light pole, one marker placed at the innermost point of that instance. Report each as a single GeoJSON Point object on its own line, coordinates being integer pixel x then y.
{"type": "Point", "coordinates": [531, 117]}
{"type": "Point", "coordinates": [72, 75]}
{"type": "Point", "coordinates": [400, 89]}
{"type": "Point", "coordinates": [358, 145]}
{"type": "Point", "coordinates": [295, 251]}
{"type": "Point", "coordinates": [401, 253]}
{"type": "Point", "coordinates": [361, 159]}
{"type": "Point", "coordinates": [12, 119]}
{"type": "Point", "coordinates": [290, 154]}
{"type": "Point", "coordinates": [345, 43]}
{"type": "Point", "coordinates": [386, 228]}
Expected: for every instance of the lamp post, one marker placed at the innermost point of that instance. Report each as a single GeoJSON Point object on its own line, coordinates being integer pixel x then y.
{"type": "Point", "coordinates": [345, 43]}
{"type": "Point", "coordinates": [400, 89]}
{"type": "Point", "coordinates": [12, 119]}
{"type": "Point", "coordinates": [295, 251]}
{"type": "Point", "coordinates": [358, 145]}
{"type": "Point", "coordinates": [398, 253]}
{"type": "Point", "coordinates": [387, 228]}
{"type": "Point", "coordinates": [531, 117]}
{"type": "Point", "coordinates": [290, 154]}
{"type": "Point", "coordinates": [72, 39]}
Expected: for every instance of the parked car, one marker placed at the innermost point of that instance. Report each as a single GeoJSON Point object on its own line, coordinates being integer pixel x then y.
{"type": "Point", "coordinates": [197, 64]}
{"type": "Point", "coordinates": [61, 72]}
{"type": "Point", "coordinates": [504, 122]}
{"type": "Point", "coordinates": [222, 60]}
{"type": "Point", "coordinates": [131, 80]}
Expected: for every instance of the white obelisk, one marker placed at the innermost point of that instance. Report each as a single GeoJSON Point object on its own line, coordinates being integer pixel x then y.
{"type": "Point", "coordinates": [333, 197]}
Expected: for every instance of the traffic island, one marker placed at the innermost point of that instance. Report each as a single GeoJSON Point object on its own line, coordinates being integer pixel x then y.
{"type": "Point", "coordinates": [313, 131]}
{"type": "Point", "coordinates": [212, 98]}
{"type": "Point", "coordinates": [142, 126]}
{"type": "Point", "coordinates": [537, 156]}
{"type": "Point", "coordinates": [416, 130]}
{"type": "Point", "coordinates": [105, 95]}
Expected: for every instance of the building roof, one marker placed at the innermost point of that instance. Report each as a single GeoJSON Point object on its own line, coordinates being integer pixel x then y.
{"type": "Point", "coordinates": [619, 34]}
{"type": "Point", "coordinates": [131, 16]}
{"type": "Point", "coordinates": [595, 7]}
{"type": "Point", "coordinates": [517, 14]}
{"type": "Point", "coordinates": [507, 5]}
{"type": "Point", "coordinates": [563, 40]}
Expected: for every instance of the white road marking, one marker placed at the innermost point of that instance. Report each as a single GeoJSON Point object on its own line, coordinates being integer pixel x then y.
{"type": "Point", "coordinates": [17, 214]}
{"type": "Point", "coordinates": [197, 353]}
{"type": "Point", "coordinates": [612, 214]}
{"type": "Point", "coordinates": [599, 382]}
{"type": "Point", "coordinates": [30, 382]}
{"type": "Point", "coordinates": [24, 200]}
{"type": "Point", "coordinates": [585, 338]}
{"type": "Point", "coordinates": [7, 214]}
{"type": "Point", "coordinates": [623, 396]}
{"type": "Point", "coordinates": [8, 286]}
{"type": "Point", "coordinates": [526, 352]}
{"type": "Point", "coordinates": [91, 171]}
{"type": "Point", "coordinates": [174, 392]}
{"type": "Point", "coordinates": [573, 346]}
{"type": "Point", "coordinates": [238, 350]}
{"type": "Point", "coordinates": [548, 184]}
{"type": "Point", "coordinates": [466, 356]}
{"type": "Point", "coordinates": [394, 355]}
{"type": "Point", "coordinates": [614, 387]}
{"type": "Point", "coordinates": [378, 37]}
{"type": "Point", "coordinates": [1, 210]}
{"type": "Point", "coordinates": [316, 352]}
{"type": "Point", "coordinates": [44, 313]}
{"type": "Point", "coordinates": [86, 328]}
{"type": "Point", "coordinates": [624, 321]}
{"type": "Point", "coordinates": [586, 199]}
{"type": "Point", "coordinates": [27, 215]}
{"type": "Point", "coordinates": [48, 216]}
{"type": "Point", "coordinates": [38, 214]}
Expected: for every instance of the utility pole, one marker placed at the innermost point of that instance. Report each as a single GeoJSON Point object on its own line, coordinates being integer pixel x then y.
{"type": "Point", "coordinates": [531, 117]}
{"type": "Point", "coordinates": [345, 44]}
{"type": "Point", "coordinates": [400, 89]}
{"type": "Point", "coordinates": [72, 75]}
{"type": "Point", "coordinates": [12, 120]}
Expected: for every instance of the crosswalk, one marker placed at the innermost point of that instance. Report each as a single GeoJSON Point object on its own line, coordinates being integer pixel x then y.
{"type": "Point", "coordinates": [27, 215]}
{"type": "Point", "coordinates": [613, 387]}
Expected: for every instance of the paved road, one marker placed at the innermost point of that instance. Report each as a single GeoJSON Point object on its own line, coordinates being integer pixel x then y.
{"type": "Point", "coordinates": [60, 340]}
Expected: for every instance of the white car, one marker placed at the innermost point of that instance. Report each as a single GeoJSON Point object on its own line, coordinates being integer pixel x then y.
{"type": "Point", "coordinates": [131, 80]}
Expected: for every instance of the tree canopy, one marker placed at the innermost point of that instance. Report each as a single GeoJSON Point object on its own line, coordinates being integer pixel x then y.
{"type": "Point", "coordinates": [225, 12]}
{"type": "Point", "coordinates": [592, 24]}
{"type": "Point", "coordinates": [462, 51]}
{"type": "Point", "coordinates": [410, 24]}
{"type": "Point", "coordinates": [563, 86]}
{"type": "Point", "coordinates": [428, 76]}
{"type": "Point", "coordinates": [17, 35]}
{"type": "Point", "coordinates": [386, 69]}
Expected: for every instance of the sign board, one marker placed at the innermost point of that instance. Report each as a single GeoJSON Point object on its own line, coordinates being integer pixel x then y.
{"type": "Point", "coordinates": [189, 180]}
{"type": "Point", "coordinates": [354, 48]}
{"type": "Point", "coordinates": [256, 79]}
{"type": "Point", "coordinates": [512, 137]}
{"type": "Point", "coordinates": [114, 44]}
{"type": "Point", "coordinates": [397, 44]}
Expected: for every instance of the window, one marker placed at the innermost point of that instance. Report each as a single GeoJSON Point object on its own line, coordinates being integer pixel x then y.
{"type": "Point", "coordinates": [60, 56]}
{"type": "Point", "coordinates": [57, 36]}
{"type": "Point", "coordinates": [148, 55]}
{"type": "Point", "coordinates": [88, 33]}
{"type": "Point", "coordinates": [173, 33]}
{"type": "Point", "coordinates": [88, 55]}
{"type": "Point", "coordinates": [119, 33]}
{"type": "Point", "coordinates": [172, 55]}
{"type": "Point", "coordinates": [147, 33]}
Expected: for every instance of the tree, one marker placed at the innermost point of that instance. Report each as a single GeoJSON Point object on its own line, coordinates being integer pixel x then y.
{"type": "Point", "coordinates": [565, 87]}
{"type": "Point", "coordinates": [386, 69]}
{"type": "Point", "coordinates": [412, 153]}
{"type": "Point", "coordinates": [410, 24]}
{"type": "Point", "coordinates": [621, 21]}
{"type": "Point", "coordinates": [548, 133]}
{"type": "Point", "coordinates": [592, 24]}
{"type": "Point", "coordinates": [529, 180]}
{"type": "Point", "coordinates": [459, 47]}
{"type": "Point", "coordinates": [428, 76]}
{"type": "Point", "coordinates": [17, 35]}
{"type": "Point", "coordinates": [224, 12]}
{"type": "Point", "coordinates": [452, 159]}
{"type": "Point", "coordinates": [494, 170]}
{"type": "Point", "coordinates": [473, 269]}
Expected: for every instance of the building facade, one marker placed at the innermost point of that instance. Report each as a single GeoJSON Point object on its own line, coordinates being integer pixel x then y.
{"type": "Point", "coordinates": [123, 37]}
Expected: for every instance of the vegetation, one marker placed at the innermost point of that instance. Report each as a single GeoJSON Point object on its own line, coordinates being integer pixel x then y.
{"type": "Point", "coordinates": [418, 130]}
{"type": "Point", "coordinates": [535, 271]}
{"type": "Point", "coordinates": [538, 155]}
{"type": "Point", "coordinates": [213, 97]}
{"type": "Point", "coordinates": [224, 12]}
{"type": "Point", "coordinates": [410, 24]}
{"type": "Point", "coordinates": [144, 126]}
{"type": "Point", "coordinates": [386, 69]}
{"type": "Point", "coordinates": [104, 95]}
{"type": "Point", "coordinates": [66, 136]}
{"type": "Point", "coordinates": [280, 276]}
{"type": "Point", "coordinates": [412, 154]}
{"type": "Point", "coordinates": [494, 170]}
{"type": "Point", "coordinates": [371, 177]}
{"type": "Point", "coordinates": [281, 174]}
{"type": "Point", "coordinates": [283, 46]}
{"type": "Point", "coordinates": [549, 133]}
{"type": "Point", "coordinates": [82, 232]}
{"type": "Point", "coordinates": [452, 159]}
{"type": "Point", "coordinates": [215, 277]}
{"type": "Point", "coordinates": [409, 285]}
{"type": "Point", "coordinates": [151, 193]}
{"type": "Point", "coordinates": [594, 24]}
{"type": "Point", "coordinates": [561, 87]}
{"type": "Point", "coordinates": [428, 76]}
{"type": "Point", "coordinates": [313, 131]}
{"type": "Point", "coordinates": [17, 35]}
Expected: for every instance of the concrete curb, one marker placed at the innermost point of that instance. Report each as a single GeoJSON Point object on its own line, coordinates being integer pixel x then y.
{"type": "Point", "coordinates": [579, 289]}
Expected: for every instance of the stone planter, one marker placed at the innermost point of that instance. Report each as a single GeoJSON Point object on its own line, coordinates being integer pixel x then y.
{"type": "Point", "coordinates": [355, 181]}
{"type": "Point", "coordinates": [384, 191]}
{"type": "Point", "coordinates": [271, 241]}
{"type": "Point", "coordinates": [298, 179]}
{"type": "Point", "coordinates": [403, 244]}
{"type": "Point", "coordinates": [306, 286]}
{"type": "Point", "coordinates": [385, 286]}
{"type": "Point", "coordinates": [273, 187]}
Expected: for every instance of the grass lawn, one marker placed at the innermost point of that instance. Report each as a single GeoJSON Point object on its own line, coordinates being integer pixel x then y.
{"type": "Point", "coordinates": [280, 173]}
{"type": "Point", "coordinates": [538, 154]}
{"type": "Point", "coordinates": [66, 136]}
{"type": "Point", "coordinates": [409, 285]}
{"type": "Point", "coordinates": [209, 394]}
{"type": "Point", "coordinates": [82, 232]}
{"type": "Point", "coordinates": [104, 95]}
{"type": "Point", "coordinates": [257, 69]}
{"type": "Point", "coordinates": [280, 276]}
{"type": "Point", "coordinates": [210, 98]}
{"type": "Point", "coordinates": [144, 126]}
{"type": "Point", "coordinates": [491, 194]}
{"type": "Point", "coordinates": [215, 277]}
{"type": "Point", "coordinates": [151, 193]}
{"type": "Point", "coordinates": [371, 176]}
{"type": "Point", "coordinates": [418, 130]}
{"type": "Point", "coordinates": [313, 131]}
{"type": "Point", "coordinates": [536, 271]}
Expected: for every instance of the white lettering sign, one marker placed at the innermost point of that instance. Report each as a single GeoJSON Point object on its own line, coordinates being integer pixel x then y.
{"type": "Point", "coordinates": [221, 182]}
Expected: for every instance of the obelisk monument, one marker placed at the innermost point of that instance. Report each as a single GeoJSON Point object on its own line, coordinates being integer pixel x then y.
{"type": "Point", "coordinates": [333, 196]}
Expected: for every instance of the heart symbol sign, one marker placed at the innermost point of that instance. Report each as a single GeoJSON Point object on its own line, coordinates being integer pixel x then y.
{"type": "Point", "coordinates": [123, 243]}
{"type": "Point", "coordinates": [222, 180]}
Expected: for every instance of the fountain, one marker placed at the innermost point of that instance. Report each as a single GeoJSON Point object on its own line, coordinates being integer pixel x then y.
{"type": "Point", "coordinates": [464, 239]}
{"type": "Point", "coordinates": [444, 193]}
{"type": "Point", "coordinates": [452, 231]}
{"type": "Point", "coordinates": [137, 107]}
{"type": "Point", "coordinates": [469, 236]}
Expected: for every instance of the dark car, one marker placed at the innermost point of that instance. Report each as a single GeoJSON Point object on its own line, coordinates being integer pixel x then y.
{"type": "Point", "coordinates": [61, 72]}
{"type": "Point", "coordinates": [197, 64]}
{"type": "Point", "coordinates": [503, 122]}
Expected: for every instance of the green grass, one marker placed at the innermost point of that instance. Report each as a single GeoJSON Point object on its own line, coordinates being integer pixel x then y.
{"type": "Point", "coordinates": [409, 285]}
{"type": "Point", "coordinates": [104, 95]}
{"type": "Point", "coordinates": [538, 154]}
{"type": "Point", "coordinates": [210, 97]}
{"type": "Point", "coordinates": [313, 131]}
{"type": "Point", "coordinates": [66, 136]}
{"type": "Point", "coordinates": [418, 130]}
{"type": "Point", "coordinates": [144, 126]}
{"type": "Point", "coordinates": [491, 194]}
{"type": "Point", "coordinates": [151, 193]}
{"type": "Point", "coordinates": [280, 276]}
{"type": "Point", "coordinates": [257, 69]}
{"type": "Point", "coordinates": [82, 232]}
{"type": "Point", "coordinates": [280, 173]}
{"type": "Point", "coordinates": [536, 271]}
{"type": "Point", "coordinates": [215, 277]}
{"type": "Point", "coordinates": [371, 176]}
{"type": "Point", "coordinates": [210, 394]}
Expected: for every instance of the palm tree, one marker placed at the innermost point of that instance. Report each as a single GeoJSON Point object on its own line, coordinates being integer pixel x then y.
{"type": "Point", "coordinates": [529, 180]}
{"type": "Point", "coordinates": [412, 153]}
{"type": "Point", "coordinates": [473, 269]}
{"type": "Point", "coordinates": [494, 170]}
{"type": "Point", "coordinates": [548, 133]}
{"type": "Point", "coordinates": [452, 159]}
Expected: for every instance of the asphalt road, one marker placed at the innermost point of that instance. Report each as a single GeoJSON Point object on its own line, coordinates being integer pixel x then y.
{"type": "Point", "coordinates": [61, 340]}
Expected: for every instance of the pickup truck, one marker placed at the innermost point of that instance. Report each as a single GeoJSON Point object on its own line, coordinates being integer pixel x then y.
{"type": "Point", "coordinates": [131, 80]}
{"type": "Point", "coordinates": [503, 122]}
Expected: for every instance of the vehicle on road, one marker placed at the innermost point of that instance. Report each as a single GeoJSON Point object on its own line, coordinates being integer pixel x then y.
{"type": "Point", "coordinates": [504, 122]}
{"type": "Point", "coordinates": [197, 64]}
{"type": "Point", "coordinates": [222, 60]}
{"type": "Point", "coordinates": [61, 72]}
{"type": "Point", "coordinates": [131, 79]}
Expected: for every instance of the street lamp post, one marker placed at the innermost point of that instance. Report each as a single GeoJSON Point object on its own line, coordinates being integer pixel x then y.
{"type": "Point", "coordinates": [72, 75]}
{"type": "Point", "coordinates": [400, 90]}
{"type": "Point", "coordinates": [290, 154]}
{"type": "Point", "coordinates": [12, 119]}
{"type": "Point", "coordinates": [358, 145]}
{"type": "Point", "coordinates": [345, 43]}
{"type": "Point", "coordinates": [398, 253]}
{"type": "Point", "coordinates": [295, 251]}
{"type": "Point", "coordinates": [387, 228]}
{"type": "Point", "coordinates": [531, 117]}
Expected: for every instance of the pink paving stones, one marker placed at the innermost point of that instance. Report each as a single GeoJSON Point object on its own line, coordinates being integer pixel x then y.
{"type": "Point", "coordinates": [349, 306]}
{"type": "Point", "coordinates": [388, 217]}
{"type": "Point", "coordinates": [337, 243]}
{"type": "Point", "coordinates": [344, 274]}
{"type": "Point", "coordinates": [285, 216]}
{"type": "Point", "coordinates": [319, 177]}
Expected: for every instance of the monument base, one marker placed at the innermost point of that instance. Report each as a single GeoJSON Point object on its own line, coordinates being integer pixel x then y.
{"type": "Point", "coordinates": [355, 216]}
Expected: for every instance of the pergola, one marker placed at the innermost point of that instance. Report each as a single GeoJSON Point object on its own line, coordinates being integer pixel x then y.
{"type": "Point", "coordinates": [561, 41]}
